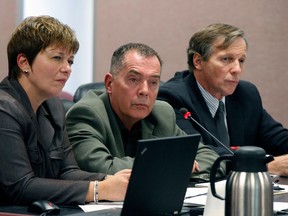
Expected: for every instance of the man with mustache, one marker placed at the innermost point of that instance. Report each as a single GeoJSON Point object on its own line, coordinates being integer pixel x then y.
{"type": "Point", "coordinates": [104, 127]}
{"type": "Point", "coordinates": [216, 57]}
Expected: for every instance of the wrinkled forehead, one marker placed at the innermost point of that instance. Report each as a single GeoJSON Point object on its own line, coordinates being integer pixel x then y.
{"type": "Point", "coordinates": [137, 61]}
{"type": "Point", "coordinates": [223, 42]}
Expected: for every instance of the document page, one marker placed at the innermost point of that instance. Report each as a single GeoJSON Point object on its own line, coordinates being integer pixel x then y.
{"type": "Point", "coordinates": [196, 195]}
{"type": "Point", "coordinates": [100, 206]}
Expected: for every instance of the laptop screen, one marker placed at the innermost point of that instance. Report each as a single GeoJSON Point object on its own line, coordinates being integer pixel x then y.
{"type": "Point", "coordinates": [160, 175]}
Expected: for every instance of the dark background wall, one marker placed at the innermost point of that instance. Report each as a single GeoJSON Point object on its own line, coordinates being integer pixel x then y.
{"type": "Point", "coordinates": [167, 25]}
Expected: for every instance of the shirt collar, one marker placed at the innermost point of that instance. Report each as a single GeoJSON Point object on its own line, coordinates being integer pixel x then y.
{"type": "Point", "coordinates": [211, 101]}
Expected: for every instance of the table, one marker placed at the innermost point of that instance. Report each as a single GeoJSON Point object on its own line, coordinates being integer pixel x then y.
{"type": "Point", "coordinates": [17, 210]}
{"type": "Point", "coordinates": [281, 197]}
{"type": "Point", "coordinates": [70, 210]}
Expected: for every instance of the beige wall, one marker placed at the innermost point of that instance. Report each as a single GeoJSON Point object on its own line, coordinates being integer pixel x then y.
{"type": "Point", "coordinates": [167, 26]}
{"type": "Point", "coordinates": [8, 21]}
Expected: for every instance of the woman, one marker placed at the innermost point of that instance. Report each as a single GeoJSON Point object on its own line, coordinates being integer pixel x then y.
{"type": "Point", "coordinates": [36, 159]}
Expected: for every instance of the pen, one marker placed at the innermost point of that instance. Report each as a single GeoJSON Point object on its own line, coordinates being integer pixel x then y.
{"type": "Point", "coordinates": [188, 197]}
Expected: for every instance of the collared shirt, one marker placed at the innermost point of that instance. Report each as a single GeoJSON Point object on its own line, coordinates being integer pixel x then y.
{"type": "Point", "coordinates": [212, 102]}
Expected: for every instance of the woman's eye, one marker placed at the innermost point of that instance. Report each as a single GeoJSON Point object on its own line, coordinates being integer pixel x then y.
{"type": "Point", "coordinates": [57, 57]}
{"type": "Point", "coordinates": [71, 62]}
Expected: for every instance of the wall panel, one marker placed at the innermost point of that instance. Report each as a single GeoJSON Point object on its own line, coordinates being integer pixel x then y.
{"type": "Point", "coordinates": [9, 16]}
{"type": "Point", "coordinates": [167, 26]}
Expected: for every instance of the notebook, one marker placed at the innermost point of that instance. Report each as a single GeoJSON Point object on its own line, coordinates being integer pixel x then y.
{"type": "Point", "coordinates": [159, 178]}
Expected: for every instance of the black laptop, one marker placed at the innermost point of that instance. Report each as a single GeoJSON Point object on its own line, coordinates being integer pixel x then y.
{"type": "Point", "coordinates": [159, 178]}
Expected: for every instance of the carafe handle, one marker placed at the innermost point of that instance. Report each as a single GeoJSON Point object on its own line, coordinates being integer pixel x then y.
{"type": "Point", "coordinates": [214, 171]}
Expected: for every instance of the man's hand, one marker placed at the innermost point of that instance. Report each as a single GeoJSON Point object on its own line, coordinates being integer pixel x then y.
{"type": "Point", "coordinates": [195, 167]}
{"type": "Point", "coordinates": [279, 165]}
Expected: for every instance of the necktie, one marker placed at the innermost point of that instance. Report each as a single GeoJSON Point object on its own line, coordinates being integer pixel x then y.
{"type": "Point", "coordinates": [221, 127]}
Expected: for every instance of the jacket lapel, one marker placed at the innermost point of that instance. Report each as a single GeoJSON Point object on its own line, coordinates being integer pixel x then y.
{"type": "Point", "coordinates": [199, 109]}
{"type": "Point", "coordinates": [235, 118]}
{"type": "Point", "coordinates": [147, 130]}
{"type": "Point", "coordinates": [113, 121]}
{"type": "Point", "coordinates": [46, 131]}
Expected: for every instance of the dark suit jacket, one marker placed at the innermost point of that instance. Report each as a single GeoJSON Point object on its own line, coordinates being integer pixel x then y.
{"type": "Point", "coordinates": [35, 153]}
{"type": "Point", "coordinates": [248, 123]}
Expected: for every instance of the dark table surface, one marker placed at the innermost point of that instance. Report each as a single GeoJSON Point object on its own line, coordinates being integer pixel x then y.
{"type": "Point", "coordinates": [9, 210]}
{"type": "Point", "coordinates": [65, 210]}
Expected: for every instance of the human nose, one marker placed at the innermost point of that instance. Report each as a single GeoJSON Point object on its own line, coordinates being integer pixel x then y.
{"type": "Point", "coordinates": [66, 67]}
{"type": "Point", "coordinates": [237, 67]}
{"type": "Point", "coordinates": [144, 88]}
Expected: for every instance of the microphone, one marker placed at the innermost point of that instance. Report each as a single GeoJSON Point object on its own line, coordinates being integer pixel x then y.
{"type": "Point", "coordinates": [187, 115]}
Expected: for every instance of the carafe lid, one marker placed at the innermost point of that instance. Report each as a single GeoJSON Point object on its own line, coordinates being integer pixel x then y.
{"type": "Point", "coordinates": [251, 159]}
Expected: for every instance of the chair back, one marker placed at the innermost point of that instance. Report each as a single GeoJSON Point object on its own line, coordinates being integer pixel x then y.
{"type": "Point", "coordinates": [83, 89]}
{"type": "Point", "coordinates": [67, 100]}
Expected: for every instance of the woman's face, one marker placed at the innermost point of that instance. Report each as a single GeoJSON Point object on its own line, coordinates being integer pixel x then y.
{"type": "Point", "coordinates": [49, 72]}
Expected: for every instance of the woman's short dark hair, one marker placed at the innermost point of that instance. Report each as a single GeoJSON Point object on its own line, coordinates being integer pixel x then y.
{"type": "Point", "coordinates": [35, 34]}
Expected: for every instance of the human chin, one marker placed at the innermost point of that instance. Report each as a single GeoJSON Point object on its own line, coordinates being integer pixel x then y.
{"type": "Point", "coordinates": [140, 113]}
{"type": "Point", "coordinates": [56, 91]}
{"type": "Point", "coordinates": [229, 91]}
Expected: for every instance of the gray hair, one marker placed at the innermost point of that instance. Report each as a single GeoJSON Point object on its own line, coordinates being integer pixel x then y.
{"type": "Point", "coordinates": [117, 61]}
{"type": "Point", "coordinates": [202, 42]}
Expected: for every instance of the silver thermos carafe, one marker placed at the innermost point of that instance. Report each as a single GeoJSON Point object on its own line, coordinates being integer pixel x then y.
{"type": "Point", "coordinates": [249, 190]}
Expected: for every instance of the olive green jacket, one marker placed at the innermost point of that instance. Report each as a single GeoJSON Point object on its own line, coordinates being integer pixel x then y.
{"type": "Point", "coordinates": [96, 137]}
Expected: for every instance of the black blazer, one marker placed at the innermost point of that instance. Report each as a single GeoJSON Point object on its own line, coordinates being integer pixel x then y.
{"type": "Point", "coordinates": [36, 159]}
{"type": "Point", "coordinates": [248, 122]}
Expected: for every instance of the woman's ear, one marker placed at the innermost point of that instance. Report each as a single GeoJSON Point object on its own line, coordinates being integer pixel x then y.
{"type": "Point", "coordinates": [22, 62]}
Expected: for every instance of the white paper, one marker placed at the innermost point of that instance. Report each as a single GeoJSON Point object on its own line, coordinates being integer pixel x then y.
{"type": "Point", "coordinates": [278, 206]}
{"type": "Point", "coordinates": [215, 206]}
{"type": "Point", "coordinates": [285, 187]}
{"type": "Point", "coordinates": [194, 195]}
{"type": "Point", "coordinates": [100, 206]}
